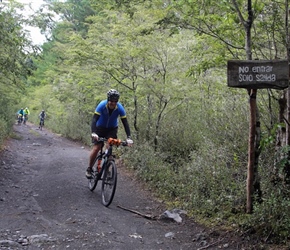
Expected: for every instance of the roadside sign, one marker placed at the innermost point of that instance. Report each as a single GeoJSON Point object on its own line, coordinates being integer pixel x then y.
{"type": "Point", "coordinates": [258, 74]}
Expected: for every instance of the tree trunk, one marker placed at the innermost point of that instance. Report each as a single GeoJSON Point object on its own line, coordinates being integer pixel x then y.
{"type": "Point", "coordinates": [251, 150]}
{"type": "Point", "coordinates": [283, 133]}
{"type": "Point", "coordinates": [287, 166]}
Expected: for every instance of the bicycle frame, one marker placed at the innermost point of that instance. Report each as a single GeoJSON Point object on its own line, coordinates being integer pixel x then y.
{"type": "Point", "coordinates": [108, 154]}
{"type": "Point", "coordinates": [104, 157]}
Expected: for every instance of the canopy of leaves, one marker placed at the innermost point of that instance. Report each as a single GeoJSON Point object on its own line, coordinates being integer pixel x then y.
{"type": "Point", "coordinates": [168, 60]}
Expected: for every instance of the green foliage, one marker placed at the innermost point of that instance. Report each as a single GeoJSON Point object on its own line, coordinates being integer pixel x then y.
{"type": "Point", "coordinates": [200, 183]}
{"type": "Point", "coordinates": [168, 60]}
{"type": "Point", "coordinates": [3, 131]}
{"type": "Point", "coordinates": [13, 65]}
{"type": "Point", "coordinates": [272, 217]}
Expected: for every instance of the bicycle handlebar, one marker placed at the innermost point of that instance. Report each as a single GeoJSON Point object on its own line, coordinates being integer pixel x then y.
{"type": "Point", "coordinates": [112, 141]}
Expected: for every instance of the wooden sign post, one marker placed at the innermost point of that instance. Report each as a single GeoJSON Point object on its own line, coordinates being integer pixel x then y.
{"type": "Point", "coordinates": [254, 75]}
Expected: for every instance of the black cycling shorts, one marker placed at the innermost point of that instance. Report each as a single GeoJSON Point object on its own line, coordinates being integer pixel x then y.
{"type": "Point", "coordinates": [106, 133]}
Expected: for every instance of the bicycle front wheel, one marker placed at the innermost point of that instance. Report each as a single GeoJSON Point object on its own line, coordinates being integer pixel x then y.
{"type": "Point", "coordinates": [109, 183]}
{"type": "Point", "coordinates": [41, 125]}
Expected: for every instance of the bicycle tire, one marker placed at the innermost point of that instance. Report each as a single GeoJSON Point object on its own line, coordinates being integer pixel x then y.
{"type": "Point", "coordinates": [92, 182]}
{"type": "Point", "coordinates": [109, 183]}
{"type": "Point", "coordinates": [41, 124]}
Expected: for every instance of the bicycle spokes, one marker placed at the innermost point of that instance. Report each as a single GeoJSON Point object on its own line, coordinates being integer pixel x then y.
{"type": "Point", "coordinates": [109, 183]}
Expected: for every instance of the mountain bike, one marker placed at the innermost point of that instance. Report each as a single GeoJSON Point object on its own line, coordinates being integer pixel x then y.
{"type": "Point", "coordinates": [25, 118]}
{"type": "Point", "coordinates": [19, 119]}
{"type": "Point", "coordinates": [105, 169]}
{"type": "Point", "coordinates": [41, 123]}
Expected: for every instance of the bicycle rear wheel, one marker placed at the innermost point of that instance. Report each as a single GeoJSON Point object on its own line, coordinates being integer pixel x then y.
{"type": "Point", "coordinates": [109, 183]}
{"type": "Point", "coordinates": [41, 125]}
{"type": "Point", "coordinates": [94, 180]}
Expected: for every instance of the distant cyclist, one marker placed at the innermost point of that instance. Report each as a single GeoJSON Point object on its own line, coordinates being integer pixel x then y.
{"type": "Point", "coordinates": [105, 124]}
{"type": "Point", "coordinates": [20, 114]}
{"type": "Point", "coordinates": [42, 116]}
{"type": "Point", "coordinates": [26, 112]}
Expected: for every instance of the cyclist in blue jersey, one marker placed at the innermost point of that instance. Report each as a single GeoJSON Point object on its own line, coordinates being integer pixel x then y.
{"type": "Point", "coordinates": [20, 114]}
{"type": "Point", "coordinates": [105, 124]}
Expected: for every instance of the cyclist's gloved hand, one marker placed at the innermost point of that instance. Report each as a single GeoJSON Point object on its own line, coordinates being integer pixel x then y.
{"type": "Point", "coordinates": [129, 141]}
{"type": "Point", "coordinates": [95, 136]}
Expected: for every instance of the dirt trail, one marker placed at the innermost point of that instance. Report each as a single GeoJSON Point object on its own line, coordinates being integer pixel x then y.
{"type": "Point", "coordinates": [45, 204]}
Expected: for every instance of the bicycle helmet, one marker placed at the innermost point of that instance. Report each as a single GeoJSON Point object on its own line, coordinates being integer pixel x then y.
{"type": "Point", "coordinates": [113, 95]}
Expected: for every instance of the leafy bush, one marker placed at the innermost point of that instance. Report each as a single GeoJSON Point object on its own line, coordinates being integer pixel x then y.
{"type": "Point", "coordinates": [3, 130]}
{"type": "Point", "coordinates": [271, 218]}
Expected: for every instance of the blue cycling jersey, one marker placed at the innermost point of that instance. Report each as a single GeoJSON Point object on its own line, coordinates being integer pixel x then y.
{"type": "Point", "coordinates": [107, 120]}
